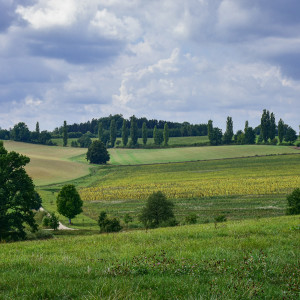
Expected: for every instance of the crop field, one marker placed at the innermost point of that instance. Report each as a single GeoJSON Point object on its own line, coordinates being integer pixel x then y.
{"type": "Point", "coordinates": [250, 259]}
{"type": "Point", "coordinates": [239, 188]}
{"type": "Point", "coordinates": [151, 156]}
{"type": "Point", "coordinates": [50, 165]}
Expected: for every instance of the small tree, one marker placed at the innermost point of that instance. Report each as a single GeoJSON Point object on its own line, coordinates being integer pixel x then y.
{"type": "Point", "coordinates": [124, 133]}
{"type": "Point", "coordinates": [216, 136]}
{"type": "Point", "coordinates": [100, 132]}
{"type": "Point", "coordinates": [290, 135]}
{"type": "Point", "coordinates": [293, 200]}
{"type": "Point", "coordinates": [69, 203]}
{"type": "Point", "coordinates": [97, 153]}
{"type": "Point", "coordinates": [280, 130]}
{"type": "Point", "coordinates": [210, 130]}
{"type": "Point", "coordinates": [108, 225]}
{"type": "Point", "coordinates": [65, 134]}
{"type": "Point", "coordinates": [133, 131]}
{"type": "Point", "coordinates": [84, 141]}
{"type": "Point", "coordinates": [166, 134]}
{"type": "Point", "coordinates": [51, 221]}
{"type": "Point", "coordinates": [272, 132]}
{"type": "Point", "coordinates": [228, 135]}
{"type": "Point", "coordinates": [127, 219]}
{"type": "Point", "coordinates": [157, 210]}
{"type": "Point", "coordinates": [144, 133]}
{"type": "Point", "coordinates": [157, 136]}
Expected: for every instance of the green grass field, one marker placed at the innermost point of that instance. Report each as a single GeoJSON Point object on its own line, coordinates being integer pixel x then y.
{"type": "Point", "coordinates": [253, 259]}
{"type": "Point", "coordinates": [151, 156]}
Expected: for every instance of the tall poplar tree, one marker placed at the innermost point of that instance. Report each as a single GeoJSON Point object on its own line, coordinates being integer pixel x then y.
{"type": "Point", "coordinates": [100, 132]}
{"type": "Point", "coordinates": [124, 133]}
{"type": "Point", "coordinates": [272, 132]}
{"type": "Point", "coordinates": [246, 126]}
{"type": "Point", "coordinates": [133, 131]}
{"type": "Point", "coordinates": [144, 133]}
{"type": "Point", "coordinates": [265, 125]}
{"type": "Point", "coordinates": [227, 137]}
{"type": "Point", "coordinates": [113, 132]}
{"type": "Point", "coordinates": [37, 128]}
{"type": "Point", "coordinates": [166, 134]}
{"type": "Point", "coordinates": [65, 134]}
{"type": "Point", "coordinates": [210, 130]}
{"type": "Point", "coordinates": [280, 130]}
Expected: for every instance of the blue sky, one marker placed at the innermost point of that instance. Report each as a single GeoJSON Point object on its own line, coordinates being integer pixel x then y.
{"type": "Point", "coordinates": [174, 60]}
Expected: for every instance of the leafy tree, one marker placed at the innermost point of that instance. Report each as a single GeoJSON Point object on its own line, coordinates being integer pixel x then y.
{"type": "Point", "coordinates": [113, 132]}
{"type": "Point", "coordinates": [228, 135]}
{"type": "Point", "coordinates": [290, 135]}
{"type": "Point", "coordinates": [84, 141]}
{"type": "Point", "coordinates": [144, 133]}
{"type": "Point", "coordinates": [108, 225]}
{"type": "Point", "coordinates": [166, 134]}
{"type": "Point", "coordinates": [293, 200]}
{"type": "Point", "coordinates": [17, 196]}
{"type": "Point", "coordinates": [133, 131]}
{"type": "Point", "coordinates": [249, 136]}
{"type": "Point", "coordinates": [210, 130]}
{"type": "Point", "coordinates": [246, 126]}
{"type": "Point", "coordinates": [51, 221]}
{"type": "Point", "coordinates": [216, 136]}
{"type": "Point", "coordinates": [20, 133]}
{"type": "Point", "coordinates": [272, 132]}
{"type": "Point", "coordinates": [65, 134]}
{"type": "Point", "coordinates": [239, 137]}
{"type": "Point", "coordinates": [157, 136]}
{"type": "Point", "coordinates": [97, 153]}
{"type": "Point", "coordinates": [157, 210]}
{"type": "Point", "coordinates": [265, 125]}
{"type": "Point", "coordinates": [124, 133]}
{"type": "Point", "coordinates": [69, 203]}
{"type": "Point", "coordinates": [280, 130]}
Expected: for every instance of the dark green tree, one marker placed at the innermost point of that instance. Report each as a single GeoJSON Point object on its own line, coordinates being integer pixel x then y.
{"type": "Point", "coordinates": [100, 132]}
{"type": "Point", "coordinates": [124, 133]}
{"type": "Point", "coordinates": [249, 136]}
{"type": "Point", "coordinates": [210, 130]}
{"type": "Point", "coordinates": [108, 224]}
{"type": "Point", "coordinates": [272, 132]}
{"type": "Point", "coordinates": [84, 141]}
{"type": "Point", "coordinates": [17, 196]}
{"type": "Point", "coordinates": [157, 210]}
{"type": "Point", "coordinates": [157, 136]}
{"type": "Point", "coordinates": [290, 135]}
{"type": "Point", "coordinates": [239, 137]}
{"type": "Point", "coordinates": [37, 128]}
{"type": "Point", "coordinates": [265, 125]}
{"type": "Point", "coordinates": [293, 200]}
{"type": "Point", "coordinates": [246, 126]}
{"type": "Point", "coordinates": [113, 132]}
{"type": "Point", "coordinates": [20, 133]}
{"type": "Point", "coordinates": [228, 135]}
{"type": "Point", "coordinates": [144, 133]}
{"type": "Point", "coordinates": [133, 131]}
{"type": "Point", "coordinates": [51, 221]}
{"type": "Point", "coordinates": [280, 130]}
{"type": "Point", "coordinates": [97, 153]}
{"type": "Point", "coordinates": [166, 134]}
{"type": "Point", "coordinates": [68, 201]}
{"type": "Point", "coordinates": [65, 134]}
{"type": "Point", "coordinates": [216, 136]}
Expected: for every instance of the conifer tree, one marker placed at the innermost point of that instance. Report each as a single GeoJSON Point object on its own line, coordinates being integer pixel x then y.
{"type": "Point", "coordinates": [133, 131]}
{"type": "Point", "coordinates": [166, 134]}
{"type": "Point", "coordinates": [100, 132]}
{"type": "Point", "coordinates": [113, 132]}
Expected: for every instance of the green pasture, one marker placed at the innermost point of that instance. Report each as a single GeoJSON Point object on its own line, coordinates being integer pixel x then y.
{"type": "Point", "coordinates": [153, 156]}
{"type": "Point", "coordinates": [250, 259]}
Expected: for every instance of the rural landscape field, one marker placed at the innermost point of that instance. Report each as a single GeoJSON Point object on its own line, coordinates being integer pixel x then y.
{"type": "Point", "coordinates": [254, 254]}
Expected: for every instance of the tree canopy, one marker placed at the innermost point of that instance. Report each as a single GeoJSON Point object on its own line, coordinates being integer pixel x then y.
{"type": "Point", "coordinates": [97, 153]}
{"type": "Point", "coordinates": [17, 196]}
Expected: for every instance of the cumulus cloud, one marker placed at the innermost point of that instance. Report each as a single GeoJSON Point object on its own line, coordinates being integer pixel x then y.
{"type": "Point", "coordinates": [181, 61]}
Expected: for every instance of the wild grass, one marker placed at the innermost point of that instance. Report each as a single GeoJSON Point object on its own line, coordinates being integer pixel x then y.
{"type": "Point", "coordinates": [252, 259]}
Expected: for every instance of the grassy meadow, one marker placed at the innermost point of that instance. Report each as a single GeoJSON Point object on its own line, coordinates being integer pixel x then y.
{"type": "Point", "coordinates": [252, 259]}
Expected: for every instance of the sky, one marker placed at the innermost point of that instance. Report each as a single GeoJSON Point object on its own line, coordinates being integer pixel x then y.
{"type": "Point", "coordinates": [174, 60]}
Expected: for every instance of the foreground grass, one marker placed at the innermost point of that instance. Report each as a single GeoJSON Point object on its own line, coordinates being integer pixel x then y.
{"type": "Point", "coordinates": [237, 260]}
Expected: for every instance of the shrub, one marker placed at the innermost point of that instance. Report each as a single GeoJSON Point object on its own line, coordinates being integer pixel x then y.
{"type": "Point", "coordinates": [191, 219]}
{"type": "Point", "coordinates": [221, 218]}
{"type": "Point", "coordinates": [293, 200]}
{"type": "Point", "coordinates": [274, 141]}
{"type": "Point", "coordinates": [108, 225]}
{"type": "Point", "coordinates": [127, 219]}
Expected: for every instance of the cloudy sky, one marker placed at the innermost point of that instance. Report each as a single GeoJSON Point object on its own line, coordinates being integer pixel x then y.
{"type": "Point", "coordinates": [191, 60]}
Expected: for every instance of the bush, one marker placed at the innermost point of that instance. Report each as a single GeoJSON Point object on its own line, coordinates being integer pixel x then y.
{"type": "Point", "coordinates": [274, 141]}
{"type": "Point", "coordinates": [221, 218]}
{"type": "Point", "coordinates": [108, 225]}
{"type": "Point", "coordinates": [293, 200]}
{"type": "Point", "coordinates": [191, 219]}
{"type": "Point", "coordinates": [51, 221]}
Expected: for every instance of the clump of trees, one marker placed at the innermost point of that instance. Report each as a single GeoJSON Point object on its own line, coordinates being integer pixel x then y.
{"type": "Point", "coordinates": [158, 211]}
{"type": "Point", "coordinates": [68, 201]}
{"type": "Point", "coordinates": [97, 153]}
{"type": "Point", "coordinates": [293, 200]}
{"type": "Point", "coordinates": [18, 198]}
{"type": "Point", "coordinates": [51, 221]}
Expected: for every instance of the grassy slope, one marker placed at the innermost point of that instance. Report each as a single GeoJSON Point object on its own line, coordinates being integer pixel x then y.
{"type": "Point", "coordinates": [238, 260]}
{"type": "Point", "coordinates": [50, 165]}
{"type": "Point", "coordinates": [150, 156]}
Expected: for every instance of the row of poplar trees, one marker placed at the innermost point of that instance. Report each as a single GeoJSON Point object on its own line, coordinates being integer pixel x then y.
{"type": "Point", "coordinates": [159, 136]}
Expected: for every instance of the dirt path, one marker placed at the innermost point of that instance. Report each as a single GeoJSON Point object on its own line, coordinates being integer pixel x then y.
{"type": "Point", "coordinates": [61, 226]}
